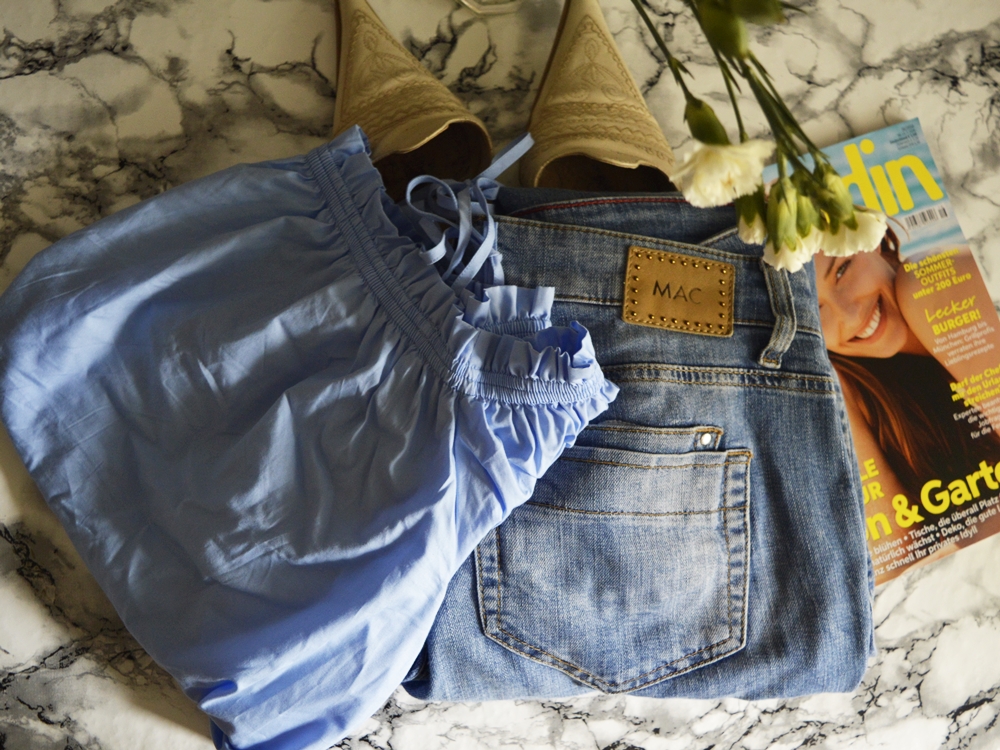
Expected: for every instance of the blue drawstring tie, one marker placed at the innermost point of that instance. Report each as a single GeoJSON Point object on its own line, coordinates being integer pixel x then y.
{"type": "Point", "coordinates": [444, 212]}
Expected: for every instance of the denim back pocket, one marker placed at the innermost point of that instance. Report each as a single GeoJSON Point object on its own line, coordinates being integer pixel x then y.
{"type": "Point", "coordinates": [626, 567]}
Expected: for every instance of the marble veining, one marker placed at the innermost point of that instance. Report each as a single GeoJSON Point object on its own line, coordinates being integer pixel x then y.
{"type": "Point", "coordinates": [103, 104]}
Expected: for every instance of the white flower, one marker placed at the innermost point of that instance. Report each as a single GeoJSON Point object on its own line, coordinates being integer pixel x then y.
{"type": "Point", "coordinates": [717, 175]}
{"type": "Point", "coordinates": [754, 232]}
{"type": "Point", "coordinates": [789, 259]}
{"type": "Point", "coordinates": [867, 237]}
{"type": "Point", "coordinates": [812, 243]}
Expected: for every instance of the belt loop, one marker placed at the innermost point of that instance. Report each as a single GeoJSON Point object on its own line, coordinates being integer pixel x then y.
{"type": "Point", "coordinates": [779, 290]}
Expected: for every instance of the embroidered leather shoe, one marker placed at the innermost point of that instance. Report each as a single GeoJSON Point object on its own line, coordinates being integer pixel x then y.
{"type": "Point", "coordinates": [591, 126]}
{"type": "Point", "coordinates": [414, 124]}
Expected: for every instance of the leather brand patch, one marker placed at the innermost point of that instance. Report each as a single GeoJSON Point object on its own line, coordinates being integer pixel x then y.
{"type": "Point", "coordinates": [679, 292]}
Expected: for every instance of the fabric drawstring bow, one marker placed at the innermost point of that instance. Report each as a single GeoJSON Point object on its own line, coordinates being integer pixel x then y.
{"type": "Point", "coordinates": [445, 213]}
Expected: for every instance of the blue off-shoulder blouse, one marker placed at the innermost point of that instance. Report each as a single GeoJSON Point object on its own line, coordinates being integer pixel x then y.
{"type": "Point", "coordinates": [274, 432]}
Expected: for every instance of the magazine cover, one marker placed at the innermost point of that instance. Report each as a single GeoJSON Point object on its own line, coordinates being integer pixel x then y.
{"type": "Point", "coordinates": [913, 334]}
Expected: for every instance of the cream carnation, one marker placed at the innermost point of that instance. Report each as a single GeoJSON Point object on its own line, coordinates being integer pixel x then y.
{"type": "Point", "coordinates": [867, 237]}
{"type": "Point", "coordinates": [786, 258]}
{"type": "Point", "coordinates": [754, 232]}
{"type": "Point", "coordinates": [716, 175]}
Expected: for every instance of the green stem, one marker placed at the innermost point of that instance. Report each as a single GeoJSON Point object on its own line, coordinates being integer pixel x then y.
{"type": "Point", "coordinates": [774, 120]}
{"type": "Point", "coordinates": [786, 114]}
{"type": "Point", "coordinates": [727, 76]}
{"type": "Point", "coordinates": [774, 112]}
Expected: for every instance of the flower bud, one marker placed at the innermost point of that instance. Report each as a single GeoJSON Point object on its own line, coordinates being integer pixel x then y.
{"type": "Point", "coordinates": [762, 12]}
{"type": "Point", "coordinates": [724, 29]}
{"type": "Point", "coordinates": [806, 215]}
{"type": "Point", "coordinates": [703, 123]}
{"type": "Point", "coordinates": [807, 222]}
{"type": "Point", "coordinates": [836, 197]}
{"type": "Point", "coordinates": [751, 211]}
{"type": "Point", "coordinates": [781, 216]}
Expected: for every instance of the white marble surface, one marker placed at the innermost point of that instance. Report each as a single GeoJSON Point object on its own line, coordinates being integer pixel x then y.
{"type": "Point", "coordinates": [103, 104]}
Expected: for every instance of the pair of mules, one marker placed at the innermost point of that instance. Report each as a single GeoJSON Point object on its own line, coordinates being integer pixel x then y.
{"type": "Point", "coordinates": [591, 127]}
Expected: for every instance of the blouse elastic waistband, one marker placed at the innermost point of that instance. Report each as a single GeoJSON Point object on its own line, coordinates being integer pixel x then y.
{"type": "Point", "coordinates": [560, 368]}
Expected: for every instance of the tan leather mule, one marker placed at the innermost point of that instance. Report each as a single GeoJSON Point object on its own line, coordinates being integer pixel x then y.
{"type": "Point", "coordinates": [591, 126]}
{"type": "Point", "coordinates": [414, 123]}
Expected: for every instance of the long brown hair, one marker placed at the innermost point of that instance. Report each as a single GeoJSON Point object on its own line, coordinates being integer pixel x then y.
{"type": "Point", "coordinates": [906, 402]}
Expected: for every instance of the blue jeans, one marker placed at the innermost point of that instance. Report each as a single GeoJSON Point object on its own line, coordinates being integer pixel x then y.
{"type": "Point", "coordinates": [705, 536]}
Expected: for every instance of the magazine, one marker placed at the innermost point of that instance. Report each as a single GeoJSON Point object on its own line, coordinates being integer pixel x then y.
{"type": "Point", "coordinates": [915, 339]}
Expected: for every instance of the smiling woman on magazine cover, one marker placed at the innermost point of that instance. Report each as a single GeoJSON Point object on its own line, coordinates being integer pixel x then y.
{"type": "Point", "coordinates": [897, 392]}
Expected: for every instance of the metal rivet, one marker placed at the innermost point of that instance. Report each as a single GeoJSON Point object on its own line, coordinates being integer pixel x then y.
{"type": "Point", "coordinates": [637, 266]}
{"type": "Point", "coordinates": [695, 265]}
{"type": "Point", "coordinates": [636, 278]}
{"type": "Point", "coordinates": [674, 320]}
{"type": "Point", "coordinates": [651, 316]}
{"type": "Point", "coordinates": [673, 260]}
{"type": "Point", "coordinates": [636, 291]}
{"type": "Point", "coordinates": [706, 438]}
{"type": "Point", "coordinates": [724, 270]}
{"type": "Point", "coordinates": [722, 315]}
{"type": "Point", "coordinates": [684, 262]}
{"type": "Point", "coordinates": [663, 319]}
{"type": "Point", "coordinates": [660, 258]}
{"type": "Point", "coordinates": [634, 301]}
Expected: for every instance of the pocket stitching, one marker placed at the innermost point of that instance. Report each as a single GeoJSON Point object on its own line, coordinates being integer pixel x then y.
{"type": "Point", "coordinates": [631, 514]}
{"type": "Point", "coordinates": [724, 385]}
{"type": "Point", "coordinates": [657, 430]}
{"type": "Point", "coordinates": [744, 454]}
{"type": "Point", "coordinates": [571, 669]}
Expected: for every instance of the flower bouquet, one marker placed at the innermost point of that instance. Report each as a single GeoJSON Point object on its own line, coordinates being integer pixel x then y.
{"type": "Point", "coordinates": [807, 208]}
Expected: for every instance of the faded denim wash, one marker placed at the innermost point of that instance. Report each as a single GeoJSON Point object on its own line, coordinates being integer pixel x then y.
{"type": "Point", "coordinates": [705, 536]}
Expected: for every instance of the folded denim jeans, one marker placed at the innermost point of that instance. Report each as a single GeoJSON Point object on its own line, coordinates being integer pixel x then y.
{"type": "Point", "coordinates": [705, 536]}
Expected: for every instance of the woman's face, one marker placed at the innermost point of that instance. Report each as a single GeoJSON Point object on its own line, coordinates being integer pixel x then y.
{"type": "Point", "coordinates": [857, 305]}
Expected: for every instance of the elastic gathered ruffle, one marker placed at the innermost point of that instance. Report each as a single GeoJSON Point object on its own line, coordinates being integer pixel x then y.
{"type": "Point", "coordinates": [494, 347]}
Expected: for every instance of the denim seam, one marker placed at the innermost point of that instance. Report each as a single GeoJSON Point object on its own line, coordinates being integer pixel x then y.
{"type": "Point", "coordinates": [612, 302]}
{"type": "Point", "coordinates": [695, 370]}
{"type": "Point", "coordinates": [630, 514]}
{"type": "Point", "coordinates": [641, 239]}
{"type": "Point", "coordinates": [659, 430]}
{"type": "Point", "coordinates": [483, 613]}
{"type": "Point", "coordinates": [675, 466]}
{"type": "Point", "coordinates": [771, 324]}
{"type": "Point", "coordinates": [746, 556]}
{"type": "Point", "coordinates": [584, 202]}
{"type": "Point", "coordinates": [573, 670]}
{"type": "Point", "coordinates": [727, 385]}
{"type": "Point", "coordinates": [729, 551]}
{"type": "Point", "coordinates": [725, 370]}
{"type": "Point", "coordinates": [579, 298]}
{"type": "Point", "coordinates": [596, 679]}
